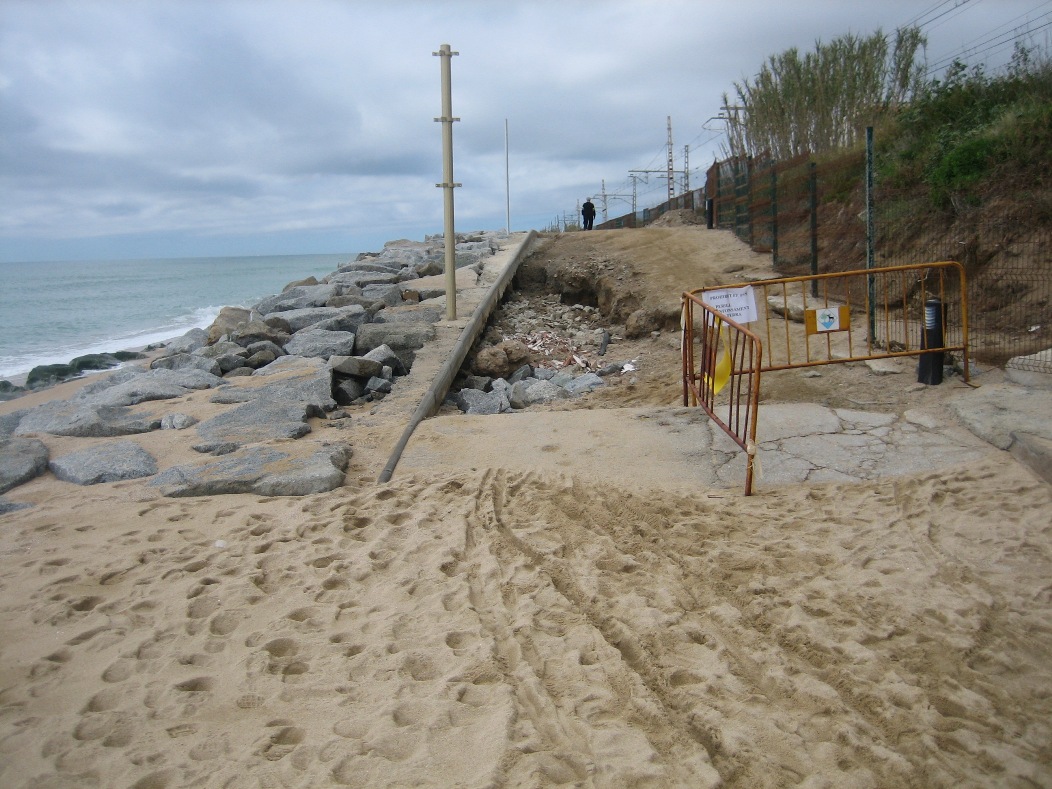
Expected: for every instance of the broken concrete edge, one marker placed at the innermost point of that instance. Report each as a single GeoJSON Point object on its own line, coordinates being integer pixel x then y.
{"type": "Point", "coordinates": [436, 393]}
{"type": "Point", "coordinates": [1033, 452]}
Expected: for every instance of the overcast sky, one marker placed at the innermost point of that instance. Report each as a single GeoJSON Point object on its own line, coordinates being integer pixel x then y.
{"type": "Point", "coordinates": [173, 128]}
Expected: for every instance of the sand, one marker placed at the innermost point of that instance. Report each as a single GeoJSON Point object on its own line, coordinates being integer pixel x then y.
{"type": "Point", "coordinates": [507, 627]}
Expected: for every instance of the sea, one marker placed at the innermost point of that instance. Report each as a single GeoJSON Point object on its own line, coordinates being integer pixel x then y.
{"type": "Point", "coordinates": [53, 312]}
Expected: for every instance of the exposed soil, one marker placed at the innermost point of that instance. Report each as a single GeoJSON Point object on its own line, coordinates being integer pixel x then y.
{"type": "Point", "coordinates": [628, 283]}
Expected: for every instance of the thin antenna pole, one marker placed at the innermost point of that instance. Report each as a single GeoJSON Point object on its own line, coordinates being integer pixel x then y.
{"type": "Point", "coordinates": [671, 183]}
{"type": "Point", "coordinates": [507, 182]}
{"type": "Point", "coordinates": [447, 184]}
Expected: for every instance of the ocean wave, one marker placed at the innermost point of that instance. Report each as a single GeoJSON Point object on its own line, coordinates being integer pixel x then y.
{"type": "Point", "coordinates": [19, 364]}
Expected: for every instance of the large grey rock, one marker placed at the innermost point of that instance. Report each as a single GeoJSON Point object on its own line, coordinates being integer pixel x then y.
{"type": "Point", "coordinates": [261, 346]}
{"type": "Point", "coordinates": [228, 319]}
{"type": "Point", "coordinates": [191, 341]}
{"type": "Point", "coordinates": [372, 264]}
{"type": "Point", "coordinates": [254, 422]}
{"type": "Point", "coordinates": [21, 459]}
{"type": "Point", "coordinates": [220, 348]}
{"type": "Point", "coordinates": [349, 319]}
{"type": "Point", "coordinates": [544, 392]}
{"type": "Point", "coordinates": [474, 401]}
{"type": "Point", "coordinates": [278, 409]}
{"type": "Point", "coordinates": [111, 461]}
{"type": "Point", "coordinates": [584, 383]}
{"type": "Point", "coordinates": [9, 422]}
{"type": "Point", "coordinates": [187, 361]}
{"type": "Point", "coordinates": [410, 313]}
{"type": "Point", "coordinates": [300, 319]}
{"type": "Point", "coordinates": [177, 421]}
{"type": "Point", "coordinates": [359, 278]}
{"type": "Point", "coordinates": [385, 355]}
{"type": "Point", "coordinates": [85, 420]}
{"type": "Point", "coordinates": [358, 366]}
{"type": "Point", "coordinates": [156, 384]}
{"type": "Point", "coordinates": [321, 344]}
{"type": "Point", "coordinates": [397, 336]}
{"type": "Point", "coordinates": [276, 332]}
{"type": "Point", "coordinates": [348, 390]}
{"type": "Point", "coordinates": [391, 295]}
{"type": "Point", "coordinates": [262, 470]}
{"type": "Point", "coordinates": [517, 393]}
{"type": "Point", "coordinates": [297, 298]}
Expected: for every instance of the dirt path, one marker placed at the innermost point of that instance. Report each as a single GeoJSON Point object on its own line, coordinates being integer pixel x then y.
{"type": "Point", "coordinates": [633, 280]}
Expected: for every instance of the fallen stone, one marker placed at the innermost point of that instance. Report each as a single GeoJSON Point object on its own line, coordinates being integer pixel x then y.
{"type": "Point", "coordinates": [94, 361]}
{"type": "Point", "coordinates": [408, 313]}
{"type": "Point", "coordinates": [177, 421]}
{"type": "Point", "coordinates": [262, 470]}
{"type": "Point", "coordinates": [9, 422]}
{"type": "Point", "coordinates": [189, 342]}
{"type": "Point", "coordinates": [517, 394]}
{"type": "Point", "coordinates": [391, 295]}
{"type": "Point", "coordinates": [386, 356]}
{"type": "Point", "coordinates": [265, 345]}
{"type": "Point", "coordinates": [144, 385]}
{"type": "Point", "coordinates": [348, 390]}
{"type": "Point", "coordinates": [84, 420]}
{"type": "Point", "coordinates": [476, 402]}
{"type": "Point", "coordinates": [186, 361]}
{"type": "Point", "coordinates": [300, 319]}
{"type": "Point", "coordinates": [228, 320]}
{"type": "Point", "coordinates": [261, 358]}
{"type": "Point", "coordinates": [277, 410]}
{"type": "Point", "coordinates": [885, 366]}
{"type": "Point", "coordinates": [297, 297]}
{"type": "Point", "coordinates": [251, 423]}
{"type": "Point", "coordinates": [112, 461]}
{"type": "Point", "coordinates": [359, 366]}
{"type": "Point", "coordinates": [380, 385]}
{"type": "Point", "coordinates": [397, 336]}
{"type": "Point", "coordinates": [544, 392]}
{"type": "Point", "coordinates": [502, 359]}
{"type": "Point", "coordinates": [276, 332]}
{"type": "Point", "coordinates": [584, 383]}
{"type": "Point", "coordinates": [45, 375]}
{"type": "Point", "coordinates": [21, 459]}
{"type": "Point", "coordinates": [348, 319]}
{"type": "Point", "coordinates": [321, 344]}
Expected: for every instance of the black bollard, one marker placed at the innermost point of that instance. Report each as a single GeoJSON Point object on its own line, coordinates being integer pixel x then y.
{"type": "Point", "coordinates": [929, 368]}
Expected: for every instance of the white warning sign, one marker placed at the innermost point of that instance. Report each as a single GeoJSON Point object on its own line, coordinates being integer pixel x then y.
{"type": "Point", "coordinates": [738, 304]}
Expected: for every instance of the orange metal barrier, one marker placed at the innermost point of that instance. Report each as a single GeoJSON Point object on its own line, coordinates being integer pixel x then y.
{"type": "Point", "coordinates": [722, 373]}
{"type": "Point", "coordinates": [857, 315]}
{"type": "Point", "coordinates": [812, 320]}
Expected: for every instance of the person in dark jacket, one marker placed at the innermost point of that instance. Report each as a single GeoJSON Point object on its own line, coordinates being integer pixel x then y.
{"type": "Point", "coordinates": [588, 213]}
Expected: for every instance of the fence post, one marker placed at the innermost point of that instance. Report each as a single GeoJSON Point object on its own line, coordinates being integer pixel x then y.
{"type": "Point", "coordinates": [774, 214]}
{"type": "Point", "coordinates": [812, 188]}
{"type": "Point", "coordinates": [870, 257]}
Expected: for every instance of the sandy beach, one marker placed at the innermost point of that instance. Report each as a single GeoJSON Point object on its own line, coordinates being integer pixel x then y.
{"type": "Point", "coordinates": [523, 625]}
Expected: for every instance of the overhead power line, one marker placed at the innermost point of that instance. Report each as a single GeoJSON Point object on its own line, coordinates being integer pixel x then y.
{"type": "Point", "coordinates": [990, 45]}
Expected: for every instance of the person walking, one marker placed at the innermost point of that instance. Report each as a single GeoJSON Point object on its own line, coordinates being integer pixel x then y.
{"type": "Point", "coordinates": [588, 213]}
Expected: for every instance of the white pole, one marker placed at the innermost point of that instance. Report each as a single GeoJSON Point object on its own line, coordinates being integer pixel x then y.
{"type": "Point", "coordinates": [447, 184]}
{"type": "Point", "coordinates": [507, 182]}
